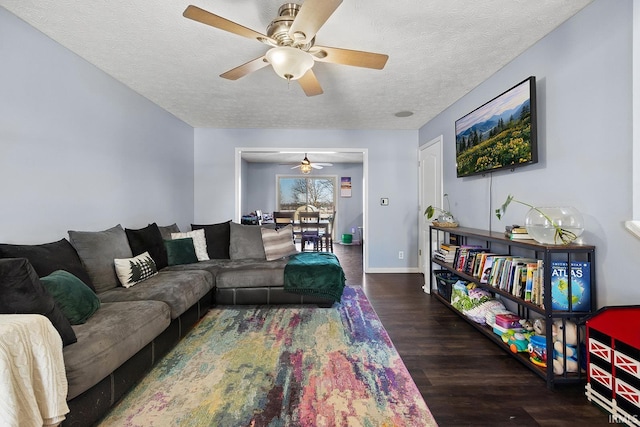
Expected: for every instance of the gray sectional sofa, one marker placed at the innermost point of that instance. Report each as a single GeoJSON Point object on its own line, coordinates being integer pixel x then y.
{"type": "Point", "coordinates": [135, 326]}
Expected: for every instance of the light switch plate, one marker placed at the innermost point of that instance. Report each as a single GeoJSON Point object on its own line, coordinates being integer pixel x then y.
{"type": "Point", "coordinates": [384, 201]}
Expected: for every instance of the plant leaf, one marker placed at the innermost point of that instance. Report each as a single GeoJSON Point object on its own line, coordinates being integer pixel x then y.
{"type": "Point", "coordinates": [429, 212]}
{"type": "Point", "coordinates": [501, 211]}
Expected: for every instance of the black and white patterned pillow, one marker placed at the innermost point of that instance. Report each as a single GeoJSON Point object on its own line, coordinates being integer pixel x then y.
{"type": "Point", "coordinates": [134, 270]}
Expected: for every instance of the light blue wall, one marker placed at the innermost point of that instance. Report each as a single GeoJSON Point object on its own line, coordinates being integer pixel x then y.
{"type": "Point", "coordinates": [259, 190]}
{"type": "Point", "coordinates": [584, 88]}
{"type": "Point", "coordinates": [79, 150]}
{"type": "Point", "coordinates": [393, 173]}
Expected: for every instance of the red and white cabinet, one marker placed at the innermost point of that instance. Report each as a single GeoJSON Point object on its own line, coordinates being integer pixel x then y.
{"type": "Point", "coordinates": [613, 362]}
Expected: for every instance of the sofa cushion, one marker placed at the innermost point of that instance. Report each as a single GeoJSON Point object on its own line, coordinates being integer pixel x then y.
{"type": "Point", "coordinates": [166, 230]}
{"type": "Point", "coordinates": [246, 242]}
{"type": "Point", "coordinates": [97, 250]}
{"type": "Point", "coordinates": [49, 257]}
{"type": "Point", "coordinates": [76, 300]}
{"type": "Point", "coordinates": [109, 338]}
{"type": "Point", "coordinates": [199, 242]}
{"type": "Point", "coordinates": [217, 237]}
{"type": "Point", "coordinates": [134, 270]}
{"type": "Point", "coordinates": [178, 289]}
{"type": "Point", "coordinates": [252, 274]}
{"type": "Point", "coordinates": [148, 239]}
{"type": "Point", "coordinates": [278, 243]}
{"type": "Point", "coordinates": [22, 293]}
{"type": "Point", "coordinates": [181, 251]}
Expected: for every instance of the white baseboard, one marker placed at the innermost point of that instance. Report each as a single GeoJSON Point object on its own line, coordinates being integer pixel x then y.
{"type": "Point", "coordinates": [393, 270]}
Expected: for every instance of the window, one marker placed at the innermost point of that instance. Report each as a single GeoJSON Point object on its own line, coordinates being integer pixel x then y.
{"type": "Point", "coordinates": [317, 193]}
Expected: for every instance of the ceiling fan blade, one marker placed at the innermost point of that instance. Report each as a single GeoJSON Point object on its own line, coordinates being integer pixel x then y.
{"type": "Point", "coordinates": [310, 84]}
{"type": "Point", "coordinates": [295, 167]}
{"type": "Point", "coordinates": [244, 69]}
{"type": "Point", "coordinates": [312, 15]}
{"type": "Point", "coordinates": [324, 164]}
{"type": "Point", "coordinates": [355, 58]}
{"type": "Point", "coordinates": [208, 18]}
{"type": "Point", "coordinates": [316, 166]}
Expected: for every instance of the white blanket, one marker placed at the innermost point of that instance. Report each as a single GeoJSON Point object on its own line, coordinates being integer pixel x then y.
{"type": "Point", "coordinates": [33, 383]}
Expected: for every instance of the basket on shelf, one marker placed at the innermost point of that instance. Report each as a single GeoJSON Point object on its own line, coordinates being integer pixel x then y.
{"type": "Point", "coordinates": [445, 280]}
{"type": "Point", "coordinates": [445, 224]}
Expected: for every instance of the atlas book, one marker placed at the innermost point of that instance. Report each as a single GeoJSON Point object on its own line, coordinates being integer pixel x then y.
{"type": "Point", "coordinates": [571, 288]}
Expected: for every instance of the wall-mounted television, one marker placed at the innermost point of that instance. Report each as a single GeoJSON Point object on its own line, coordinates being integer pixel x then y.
{"type": "Point", "coordinates": [500, 134]}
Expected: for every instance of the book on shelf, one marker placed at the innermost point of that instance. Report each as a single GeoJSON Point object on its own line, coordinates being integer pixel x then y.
{"type": "Point", "coordinates": [460, 260]}
{"type": "Point", "coordinates": [507, 273]}
{"type": "Point", "coordinates": [479, 267]}
{"type": "Point", "coordinates": [515, 229]}
{"type": "Point", "coordinates": [580, 275]}
{"type": "Point", "coordinates": [445, 253]}
{"type": "Point", "coordinates": [472, 258]}
{"type": "Point", "coordinates": [512, 277]}
{"type": "Point", "coordinates": [538, 284]}
{"type": "Point", "coordinates": [497, 270]}
{"type": "Point", "coordinates": [490, 268]}
{"type": "Point", "coordinates": [518, 236]}
{"type": "Point", "coordinates": [515, 232]}
{"type": "Point", "coordinates": [487, 267]}
{"type": "Point", "coordinates": [449, 247]}
{"type": "Point", "coordinates": [520, 280]}
{"type": "Point", "coordinates": [531, 268]}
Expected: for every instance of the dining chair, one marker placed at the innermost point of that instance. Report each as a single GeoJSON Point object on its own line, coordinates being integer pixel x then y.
{"type": "Point", "coordinates": [283, 218]}
{"type": "Point", "coordinates": [309, 230]}
{"type": "Point", "coordinates": [326, 237]}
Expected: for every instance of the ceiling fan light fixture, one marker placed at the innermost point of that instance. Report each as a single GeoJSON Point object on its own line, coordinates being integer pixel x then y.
{"type": "Point", "coordinates": [288, 62]}
{"type": "Point", "coordinates": [305, 165]}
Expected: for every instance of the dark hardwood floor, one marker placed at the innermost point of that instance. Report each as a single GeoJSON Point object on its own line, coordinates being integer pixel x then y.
{"type": "Point", "coordinates": [466, 379]}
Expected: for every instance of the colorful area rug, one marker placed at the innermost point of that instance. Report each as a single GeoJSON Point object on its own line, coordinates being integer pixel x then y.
{"type": "Point", "coordinates": [279, 366]}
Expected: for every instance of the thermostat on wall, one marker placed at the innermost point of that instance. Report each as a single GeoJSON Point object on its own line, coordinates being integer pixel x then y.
{"type": "Point", "coordinates": [384, 201]}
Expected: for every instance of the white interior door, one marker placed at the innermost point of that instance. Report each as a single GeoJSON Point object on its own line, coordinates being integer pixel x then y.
{"type": "Point", "coordinates": [431, 193]}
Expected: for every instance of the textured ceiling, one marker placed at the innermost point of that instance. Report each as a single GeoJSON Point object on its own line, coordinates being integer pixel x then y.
{"type": "Point", "coordinates": [295, 157]}
{"type": "Point", "coordinates": [438, 51]}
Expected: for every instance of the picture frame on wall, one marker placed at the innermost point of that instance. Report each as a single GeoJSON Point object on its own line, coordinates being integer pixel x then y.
{"type": "Point", "coordinates": [345, 186]}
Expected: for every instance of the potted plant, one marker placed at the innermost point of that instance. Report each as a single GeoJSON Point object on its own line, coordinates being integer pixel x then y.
{"type": "Point", "coordinates": [549, 225]}
{"type": "Point", "coordinates": [445, 219]}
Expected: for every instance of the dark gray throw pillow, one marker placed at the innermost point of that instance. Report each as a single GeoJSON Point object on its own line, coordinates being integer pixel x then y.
{"type": "Point", "coordinates": [166, 230]}
{"type": "Point", "coordinates": [217, 237]}
{"type": "Point", "coordinates": [148, 239]}
{"type": "Point", "coordinates": [49, 257]}
{"type": "Point", "coordinates": [246, 242]}
{"type": "Point", "coordinates": [22, 293]}
{"type": "Point", "coordinates": [97, 250]}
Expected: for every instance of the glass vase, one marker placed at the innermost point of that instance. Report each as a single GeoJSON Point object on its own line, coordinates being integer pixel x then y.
{"type": "Point", "coordinates": [554, 225]}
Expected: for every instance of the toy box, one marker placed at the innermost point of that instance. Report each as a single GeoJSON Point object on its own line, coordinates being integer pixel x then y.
{"type": "Point", "coordinates": [508, 320]}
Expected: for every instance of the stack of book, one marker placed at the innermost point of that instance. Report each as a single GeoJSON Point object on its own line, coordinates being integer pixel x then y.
{"type": "Point", "coordinates": [445, 253]}
{"type": "Point", "coordinates": [515, 232]}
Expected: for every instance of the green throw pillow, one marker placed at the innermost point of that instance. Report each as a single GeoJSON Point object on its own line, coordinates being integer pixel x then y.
{"type": "Point", "coordinates": [76, 300]}
{"type": "Point", "coordinates": [181, 251]}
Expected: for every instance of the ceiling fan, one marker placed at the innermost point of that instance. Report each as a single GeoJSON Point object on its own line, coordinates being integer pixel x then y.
{"type": "Point", "coordinates": [291, 36]}
{"type": "Point", "coordinates": [306, 165]}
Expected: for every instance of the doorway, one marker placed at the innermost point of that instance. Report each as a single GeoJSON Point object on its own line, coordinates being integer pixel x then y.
{"type": "Point", "coordinates": [431, 193]}
{"type": "Point", "coordinates": [269, 162]}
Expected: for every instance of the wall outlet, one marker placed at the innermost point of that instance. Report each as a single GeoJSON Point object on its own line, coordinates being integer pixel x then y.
{"type": "Point", "coordinates": [401, 255]}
